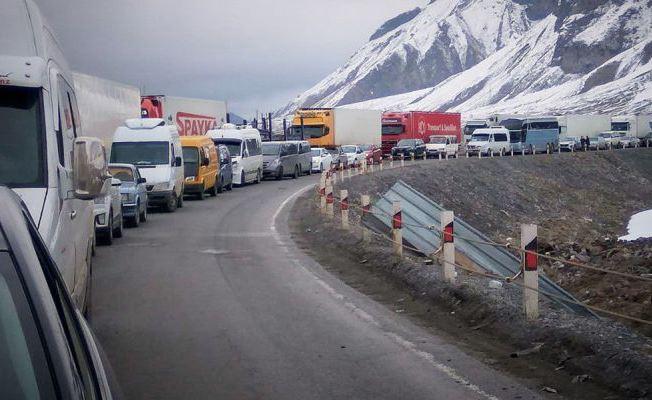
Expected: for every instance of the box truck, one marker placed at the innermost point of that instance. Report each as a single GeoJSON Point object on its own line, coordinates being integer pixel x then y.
{"type": "Point", "coordinates": [333, 127]}
{"type": "Point", "coordinates": [633, 125]}
{"type": "Point", "coordinates": [577, 125]}
{"type": "Point", "coordinates": [418, 125]}
{"type": "Point", "coordinates": [104, 105]}
{"type": "Point", "coordinates": [45, 156]}
{"type": "Point", "coordinates": [192, 116]}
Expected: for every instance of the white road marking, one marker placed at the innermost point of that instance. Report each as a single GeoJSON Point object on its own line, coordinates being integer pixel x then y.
{"type": "Point", "coordinates": [214, 251]}
{"type": "Point", "coordinates": [285, 202]}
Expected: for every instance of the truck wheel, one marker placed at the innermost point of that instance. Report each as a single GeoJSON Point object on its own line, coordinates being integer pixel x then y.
{"type": "Point", "coordinates": [118, 231]}
{"type": "Point", "coordinates": [296, 172]}
{"type": "Point", "coordinates": [172, 203]}
{"type": "Point", "coordinates": [143, 215]}
{"type": "Point", "coordinates": [201, 194]}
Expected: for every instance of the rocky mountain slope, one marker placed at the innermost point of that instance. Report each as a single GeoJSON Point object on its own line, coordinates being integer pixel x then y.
{"type": "Point", "coordinates": [481, 56]}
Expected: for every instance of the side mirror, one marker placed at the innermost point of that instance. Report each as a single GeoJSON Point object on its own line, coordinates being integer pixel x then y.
{"type": "Point", "coordinates": [177, 161]}
{"type": "Point", "coordinates": [89, 168]}
{"type": "Point", "coordinates": [205, 162]}
{"type": "Point", "coordinates": [116, 182]}
{"type": "Point", "coordinates": [141, 180]}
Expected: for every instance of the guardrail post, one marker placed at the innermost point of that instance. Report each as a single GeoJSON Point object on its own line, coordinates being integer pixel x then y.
{"type": "Point", "coordinates": [380, 166]}
{"type": "Point", "coordinates": [522, 151]}
{"type": "Point", "coordinates": [397, 223]}
{"type": "Point", "coordinates": [467, 154]}
{"type": "Point", "coordinates": [348, 171]}
{"type": "Point", "coordinates": [366, 208]}
{"type": "Point", "coordinates": [534, 149]}
{"type": "Point", "coordinates": [446, 154]}
{"type": "Point", "coordinates": [425, 155]}
{"type": "Point", "coordinates": [511, 151]}
{"type": "Point", "coordinates": [530, 271]}
{"type": "Point", "coordinates": [412, 156]}
{"type": "Point", "coordinates": [391, 161]}
{"type": "Point", "coordinates": [329, 200]}
{"type": "Point", "coordinates": [402, 160]}
{"type": "Point", "coordinates": [492, 153]}
{"type": "Point", "coordinates": [371, 166]}
{"type": "Point", "coordinates": [341, 172]}
{"type": "Point", "coordinates": [344, 208]}
{"type": "Point", "coordinates": [448, 244]}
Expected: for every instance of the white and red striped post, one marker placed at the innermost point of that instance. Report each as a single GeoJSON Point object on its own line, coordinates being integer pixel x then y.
{"type": "Point", "coordinates": [412, 156]}
{"type": "Point", "coordinates": [366, 209]}
{"type": "Point", "coordinates": [439, 153]}
{"type": "Point", "coordinates": [322, 193]}
{"type": "Point", "coordinates": [344, 208]}
{"type": "Point", "coordinates": [329, 200]}
{"type": "Point", "coordinates": [511, 151]}
{"type": "Point", "coordinates": [448, 244]}
{"type": "Point", "coordinates": [425, 155]}
{"type": "Point", "coordinates": [534, 149]}
{"type": "Point", "coordinates": [402, 160]}
{"type": "Point", "coordinates": [397, 225]}
{"type": "Point", "coordinates": [530, 259]}
{"type": "Point", "coordinates": [371, 166]}
{"type": "Point", "coordinates": [391, 161]}
{"type": "Point", "coordinates": [341, 172]}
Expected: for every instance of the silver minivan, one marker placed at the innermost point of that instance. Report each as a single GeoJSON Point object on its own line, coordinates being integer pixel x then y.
{"type": "Point", "coordinates": [281, 159]}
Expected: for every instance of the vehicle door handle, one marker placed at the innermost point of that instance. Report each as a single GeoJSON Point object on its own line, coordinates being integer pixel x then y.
{"type": "Point", "coordinates": [73, 214]}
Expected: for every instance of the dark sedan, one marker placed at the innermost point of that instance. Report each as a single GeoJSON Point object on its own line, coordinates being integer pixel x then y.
{"type": "Point", "coordinates": [409, 147]}
{"type": "Point", "coordinates": [47, 350]}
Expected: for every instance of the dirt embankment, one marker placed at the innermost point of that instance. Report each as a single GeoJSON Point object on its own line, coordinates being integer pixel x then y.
{"type": "Point", "coordinates": [581, 203]}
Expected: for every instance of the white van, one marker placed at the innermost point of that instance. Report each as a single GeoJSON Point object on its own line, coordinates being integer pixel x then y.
{"type": "Point", "coordinates": [41, 136]}
{"type": "Point", "coordinates": [155, 148]}
{"type": "Point", "coordinates": [245, 146]}
{"type": "Point", "coordinates": [494, 140]}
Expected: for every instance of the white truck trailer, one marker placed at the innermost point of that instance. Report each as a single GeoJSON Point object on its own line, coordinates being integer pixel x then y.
{"type": "Point", "coordinates": [577, 125]}
{"type": "Point", "coordinates": [634, 125]}
{"type": "Point", "coordinates": [357, 126]}
{"type": "Point", "coordinates": [192, 116]}
{"type": "Point", "coordinates": [104, 105]}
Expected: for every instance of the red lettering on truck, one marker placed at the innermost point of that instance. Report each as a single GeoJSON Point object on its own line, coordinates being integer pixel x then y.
{"type": "Point", "coordinates": [194, 124]}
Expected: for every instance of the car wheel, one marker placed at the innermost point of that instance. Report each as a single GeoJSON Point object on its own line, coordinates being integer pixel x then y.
{"type": "Point", "coordinates": [135, 220]}
{"type": "Point", "coordinates": [279, 174]}
{"type": "Point", "coordinates": [296, 172]}
{"type": "Point", "coordinates": [108, 236]}
{"type": "Point", "coordinates": [502, 152]}
{"type": "Point", "coordinates": [172, 203]}
{"type": "Point", "coordinates": [118, 231]}
{"type": "Point", "coordinates": [242, 178]}
{"type": "Point", "coordinates": [143, 215]}
{"type": "Point", "coordinates": [259, 177]}
{"type": "Point", "coordinates": [180, 200]}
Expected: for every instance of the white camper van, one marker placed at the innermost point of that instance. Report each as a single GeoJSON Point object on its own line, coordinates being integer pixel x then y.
{"type": "Point", "coordinates": [245, 146]}
{"type": "Point", "coordinates": [41, 136]}
{"type": "Point", "coordinates": [155, 148]}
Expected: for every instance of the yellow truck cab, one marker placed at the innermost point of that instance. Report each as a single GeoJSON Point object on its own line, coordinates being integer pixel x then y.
{"type": "Point", "coordinates": [335, 127]}
{"type": "Point", "coordinates": [314, 125]}
{"type": "Point", "coordinates": [201, 166]}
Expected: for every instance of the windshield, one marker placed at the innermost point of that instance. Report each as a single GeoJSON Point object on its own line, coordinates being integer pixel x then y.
{"type": "Point", "coordinates": [406, 142]}
{"type": "Point", "coordinates": [309, 131]}
{"type": "Point", "coordinates": [480, 137]}
{"type": "Point", "coordinates": [190, 155]}
{"type": "Point", "coordinates": [22, 158]}
{"type": "Point", "coordinates": [141, 153]}
{"type": "Point", "coordinates": [620, 126]}
{"type": "Point", "coordinates": [348, 149]}
{"type": "Point", "coordinates": [122, 173]}
{"type": "Point", "coordinates": [469, 129]}
{"type": "Point", "coordinates": [233, 145]}
{"type": "Point", "coordinates": [543, 125]}
{"type": "Point", "coordinates": [393, 129]}
{"type": "Point", "coordinates": [271, 149]}
{"type": "Point", "coordinates": [437, 139]}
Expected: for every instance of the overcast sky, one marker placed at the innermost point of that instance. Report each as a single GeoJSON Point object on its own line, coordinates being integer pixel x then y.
{"type": "Point", "coordinates": [256, 54]}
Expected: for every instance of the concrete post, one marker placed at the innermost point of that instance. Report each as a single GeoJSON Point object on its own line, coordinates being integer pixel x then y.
{"type": "Point", "coordinates": [530, 272]}
{"type": "Point", "coordinates": [329, 200]}
{"type": "Point", "coordinates": [439, 156]}
{"type": "Point", "coordinates": [412, 156]}
{"type": "Point", "coordinates": [479, 153]}
{"type": "Point", "coordinates": [342, 173]}
{"type": "Point", "coordinates": [522, 151]}
{"type": "Point", "coordinates": [344, 208]}
{"type": "Point", "coordinates": [448, 245]}
{"type": "Point", "coordinates": [366, 208]}
{"type": "Point", "coordinates": [425, 155]}
{"type": "Point", "coordinates": [511, 151]}
{"type": "Point", "coordinates": [397, 223]}
{"type": "Point", "coordinates": [380, 166]}
{"type": "Point", "coordinates": [534, 149]}
{"type": "Point", "coordinates": [402, 160]}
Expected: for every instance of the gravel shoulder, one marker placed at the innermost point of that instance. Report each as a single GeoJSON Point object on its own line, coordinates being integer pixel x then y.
{"type": "Point", "coordinates": [580, 201]}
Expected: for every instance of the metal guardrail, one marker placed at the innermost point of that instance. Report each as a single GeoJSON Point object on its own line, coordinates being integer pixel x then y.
{"type": "Point", "coordinates": [419, 213]}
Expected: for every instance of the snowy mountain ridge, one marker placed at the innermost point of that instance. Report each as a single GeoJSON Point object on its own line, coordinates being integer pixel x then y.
{"type": "Point", "coordinates": [480, 56]}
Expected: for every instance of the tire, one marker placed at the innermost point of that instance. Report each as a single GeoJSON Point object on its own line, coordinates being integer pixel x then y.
{"type": "Point", "coordinates": [180, 200]}
{"type": "Point", "coordinates": [296, 172]}
{"type": "Point", "coordinates": [143, 215]}
{"type": "Point", "coordinates": [502, 152]}
{"type": "Point", "coordinates": [259, 177]}
{"type": "Point", "coordinates": [213, 191]}
{"type": "Point", "coordinates": [201, 195]}
{"type": "Point", "coordinates": [135, 221]}
{"type": "Point", "coordinates": [279, 175]}
{"type": "Point", "coordinates": [229, 187]}
{"type": "Point", "coordinates": [172, 204]}
{"type": "Point", "coordinates": [242, 179]}
{"type": "Point", "coordinates": [108, 236]}
{"type": "Point", "coordinates": [220, 187]}
{"type": "Point", "coordinates": [118, 231]}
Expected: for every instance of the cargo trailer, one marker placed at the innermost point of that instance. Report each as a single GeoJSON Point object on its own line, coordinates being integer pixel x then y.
{"type": "Point", "coordinates": [418, 125]}
{"type": "Point", "coordinates": [192, 116]}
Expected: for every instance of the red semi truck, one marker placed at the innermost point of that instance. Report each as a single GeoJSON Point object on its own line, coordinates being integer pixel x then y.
{"type": "Point", "coordinates": [418, 125]}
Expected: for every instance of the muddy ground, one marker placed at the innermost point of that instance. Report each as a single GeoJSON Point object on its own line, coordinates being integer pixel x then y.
{"type": "Point", "coordinates": [581, 203]}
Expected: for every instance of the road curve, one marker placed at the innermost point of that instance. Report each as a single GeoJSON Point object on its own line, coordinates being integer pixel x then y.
{"type": "Point", "coordinates": [216, 302]}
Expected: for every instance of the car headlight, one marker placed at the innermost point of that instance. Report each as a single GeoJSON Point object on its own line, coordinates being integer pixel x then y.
{"type": "Point", "coordinates": [161, 186]}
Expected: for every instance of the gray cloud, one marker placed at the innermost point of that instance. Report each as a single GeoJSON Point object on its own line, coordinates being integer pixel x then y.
{"type": "Point", "coordinates": [256, 54]}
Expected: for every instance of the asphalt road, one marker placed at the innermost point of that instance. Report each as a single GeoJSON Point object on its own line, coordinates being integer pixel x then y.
{"type": "Point", "coordinates": [216, 302]}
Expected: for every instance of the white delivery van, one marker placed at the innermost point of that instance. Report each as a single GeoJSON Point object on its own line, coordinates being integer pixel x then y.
{"type": "Point", "coordinates": [155, 148]}
{"type": "Point", "coordinates": [245, 146]}
{"type": "Point", "coordinates": [487, 141]}
{"type": "Point", "coordinates": [44, 157]}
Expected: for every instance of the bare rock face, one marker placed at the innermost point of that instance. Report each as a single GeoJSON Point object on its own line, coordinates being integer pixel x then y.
{"type": "Point", "coordinates": [482, 53]}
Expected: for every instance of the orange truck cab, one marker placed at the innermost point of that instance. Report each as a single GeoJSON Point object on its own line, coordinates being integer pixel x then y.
{"type": "Point", "coordinates": [200, 165]}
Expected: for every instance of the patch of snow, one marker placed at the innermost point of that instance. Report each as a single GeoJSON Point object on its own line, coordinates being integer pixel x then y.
{"type": "Point", "coordinates": [639, 226]}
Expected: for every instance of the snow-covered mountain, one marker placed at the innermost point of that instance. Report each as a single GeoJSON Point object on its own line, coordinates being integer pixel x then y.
{"type": "Point", "coordinates": [484, 56]}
